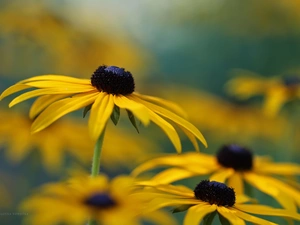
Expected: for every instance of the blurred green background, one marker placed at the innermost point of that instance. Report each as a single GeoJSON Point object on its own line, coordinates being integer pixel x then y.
{"type": "Point", "coordinates": [184, 51]}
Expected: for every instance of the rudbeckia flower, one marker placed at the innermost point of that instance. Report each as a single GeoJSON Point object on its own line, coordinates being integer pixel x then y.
{"type": "Point", "coordinates": [208, 199]}
{"type": "Point", "coordinates": [233, 164]}
{"type": "Point", "coordinates": [276, 90]}
{"type": "Point", "coordinates": [83, 198]}
{"type": "Point", "coordinates": [69, 137]}
{"type": "Point", "coordinates": [109, 89]}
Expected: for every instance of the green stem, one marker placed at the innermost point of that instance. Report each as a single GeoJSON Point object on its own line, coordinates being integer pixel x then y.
{"type": "Point", "coordinates": [97, 155]}
{"type": "Point", "coordinates": [96, 163]}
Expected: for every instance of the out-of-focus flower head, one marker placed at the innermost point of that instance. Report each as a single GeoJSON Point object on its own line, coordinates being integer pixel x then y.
{"type": "Point", "coordinates": [233, 164]}
{"type": "Point", "coordinates": [208, 199]}
{"type": "Point", "coordinates": [69, 137]}
{"type": "Point", "coordinates": [37, 38]}
{"type": "Point", "coordinates": [276, 90]}
{"type": "Point", "coordinates": [241, 121]}
{"type": "Point", "coordinates": [82, 198]}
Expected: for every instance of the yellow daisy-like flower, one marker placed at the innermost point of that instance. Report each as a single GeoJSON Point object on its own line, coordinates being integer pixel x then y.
{"type": "Point", "coordinates": [69, 137]}
{"type": "Point", "coordinates": [208, 199]}
{"type": "Point", "coordinates": [276, 90]}
{"type": "Point", "coordinates": [109, 89]}
{"type": "Point", "coordinates": [233, 164]}
{"type": "Point", "coordinates": [83, 198]}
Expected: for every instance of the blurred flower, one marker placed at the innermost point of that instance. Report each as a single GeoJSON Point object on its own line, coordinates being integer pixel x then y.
{"type": "Point", "coordinates": [276, 90]}
{"type": "Point", "coordinates": [37, 38]}
{"type": "Point", "coordinates": [234, 164]}
{"type": "Point", "coordinates": [208, 199]}
{"type": "Point", "coordinates": [83, 198]}
{"type": "Point", "coordinates": [5, 197]}
{"type": "Point", "coordinates": [229, 119]}
{"type": "Point", "coordinates": [69, 137]}
{"type": "Point", "coordinates": [109, 89]}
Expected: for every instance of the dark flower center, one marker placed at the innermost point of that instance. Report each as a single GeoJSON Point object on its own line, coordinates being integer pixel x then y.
{"type": "Point", "coordinates": [215, 192]}
{"type": "Point", "coordinates": [113, 80]}
{"type": "Point", "coordinates": [291, 81]}
{"type": "Point", "coordinates": [100, 201]}
{"type": "Point", "coordinates": [236, 157]}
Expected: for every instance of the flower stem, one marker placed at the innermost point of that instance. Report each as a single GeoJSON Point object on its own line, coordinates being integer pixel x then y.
{"type": "Point", "coordinates": [97, 155]}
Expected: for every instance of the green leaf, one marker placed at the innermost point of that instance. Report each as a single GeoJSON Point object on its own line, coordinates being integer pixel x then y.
{"type": "Point", "coordinates": [132, 120]}
{"type": "Point", "coordinates": [208, 219]}
{"type": "Point", "coordinates": [115, 116]}
{"type": "Point", "coordinates": [86, 110]}
{"type": "Point", "coordinates": [181, 208]}
{"type": "Point", "coordinates": [223, 220]}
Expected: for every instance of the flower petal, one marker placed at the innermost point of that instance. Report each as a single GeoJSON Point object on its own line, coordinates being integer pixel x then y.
{"type": "Point", "coordinates": [61, 108]}
{"type": "Point", "coordinates": [167, 128]}
{"type": "Point", "coordinates": [162, 102]}
{"type": "Point", "coordinates": [278, 168]}
{"type": "Point", "coordinates": [100, 113]}
{"type": "Point", "coordinates": [42, 102]}
{"type": "Point", "coordinates": [13, 89]}
{"type": "Point", "coordinates": [253, 219]}
{"type": "Point", "coordinates": [230, 215]}
{"type": "Point", "coordinates": [222, 175]}
{"type": "Point", "coordinates": [267, 210]}
{"type": "Point", "coordinates": [285, 196]}
{"type": "Point", "coordinates": [196, 213]}
{"type": "Point", "coordinates": [61, 78]}
{"type": "Point", "coordinates": [173, 117]}
{"type": "Point", "coordinates": [236, 181]}
{"type": "Point", "coordinates": [138, 110]}
{"type": "Point", "coordinates": [170, 175]}
{"type": "Point", "coordinates": [275, 98]}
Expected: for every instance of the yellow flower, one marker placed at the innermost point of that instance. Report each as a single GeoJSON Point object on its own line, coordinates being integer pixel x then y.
{"type": "Point", "coordinates": [276, 90]}
{"type": "Point", "coordinates": [228, 118]}
{"type": "Point", "coordinates": [109, 89]}
{"type": "Point", "coordinates": [69, 137]}
{"type": "Point", "coordinates": [51, 41]}
{"type": "Point", "coordinates": [83, 198]}
{"type": "Point", "coordinates": [234, 164]}
{"type": "Point", "coordinates": [208, 199]}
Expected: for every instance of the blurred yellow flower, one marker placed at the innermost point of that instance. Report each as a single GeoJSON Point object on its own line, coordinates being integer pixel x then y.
{"type": "Point", "coordinates": [208, 199]}
{"type": "Point", "coordinates": [37, 38]}
{"type": "Point", "coordinates": [70, 137]}
{"type": "Point", "coordinates": [108, 90]}
{"type": "Point", "coordinates": [229, 119]}
{"type": "Point", "coordinates": [83, 198]}
{"type": "Point", "coordinates": [234, 164]}
{"type": "Point", "coordinates": [276, 90]}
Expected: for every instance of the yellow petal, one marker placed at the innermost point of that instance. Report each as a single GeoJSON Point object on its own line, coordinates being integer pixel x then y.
{"type": "Point", "coordinates": [171, 175]}
{"type": "Point", "coordinates": [13, 89]}
{"type": "Point", "coordinates": [191, 137]}
{"type": "Point", "coordinates": [196, 213]}
{"type": "Point", "coordinates": [57, 78]}
{"type": "Point", "coordinates": [268, 186]}
{"type": "Point", "coordinates": [275, 98]}
{"type": "Point", "coordinates": [42, 102]}
{"type": "Point", "coordinates": [160, 217]}
{"type": "Point", "coordinates": [100, 113]}
{"type": "Point", "coordinates": [166, 104]}
{"type": "Point", "coordinates": [175, 118]}
{"type": "Point", "coordinates": [253, 219]}
{"type": "Point", "coordinates": [38, 92]}
{"type": "Point", "coordinates": [267, 210]}
{"type": "Point", "coordinates": [136, 108]}
{"type": "Point", "coordinates": [236, 181]}
{"type": "Point", "coordinates": [222, 175]}
{"type": "Point", "coordinates": [61, 108]}
{"type": "Point", "coordinates": [278, 168]}
{"type": "Point", "coordinates": [230, 215]}
{"type": "Point", "coordinates": [168, 129]}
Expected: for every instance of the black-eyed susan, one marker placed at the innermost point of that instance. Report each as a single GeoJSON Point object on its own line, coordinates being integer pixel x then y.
{"type": "Point", "coordinates": [233, 164]}
{"type": "Point", "coordinates": [208, 199]}
{"type": "Point", "coordinates": [109, 89]}
{"type": "Point", "coordinates": [82, 198]}
{"type": "Point", "coordinates": [276, 90]}
{"type": "Point", "coordinates": [229, 118]}
{"type": "Point", "coordinates": [69, 137]}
